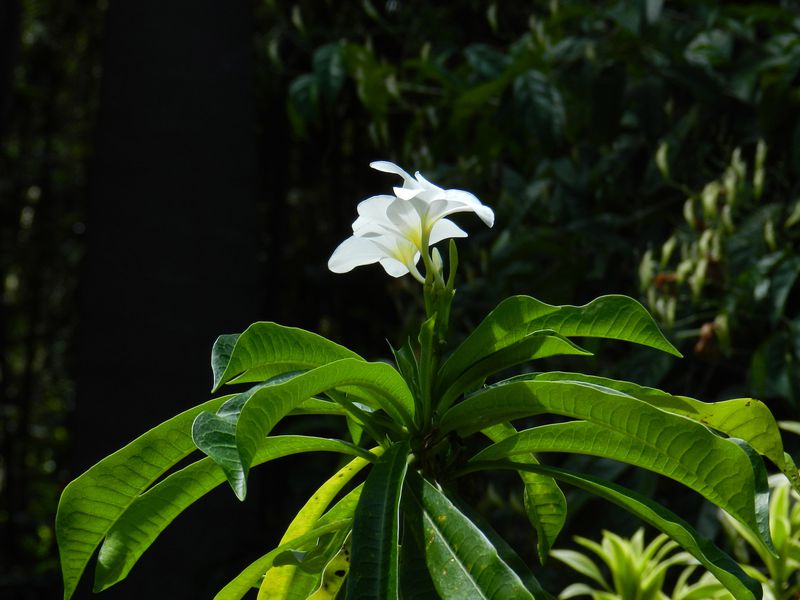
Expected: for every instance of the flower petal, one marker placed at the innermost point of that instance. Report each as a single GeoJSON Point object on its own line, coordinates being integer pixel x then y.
{"type": "Point", "coordinates": [485, 213]}
{"type": "Point", "coordinates": [393, 266]}
{"type": "Point", "coordinates": [387, 167]}
{"type": "Point", "coordinates": [426, 184]}
{"type": "Point", "coordinates": [444, 229]}
{"type": "Point", "coordinates": [372, 210]}
{"type": "Point", "coordinates": [406, 193]}
{"type": "Point", "coordinates": [355, 252]}
{"type": "Point", "coordinates": [375, 207]}
{"type": "Point", "coordinates": [406, 219]}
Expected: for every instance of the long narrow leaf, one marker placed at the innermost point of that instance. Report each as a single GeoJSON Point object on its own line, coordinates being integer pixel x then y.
{"type": "Point", "coordinates": [373, 571]}
{"type": "Point", "coordinates": [91, 504]}
{"type": "Point", "coordinates": [279, 582]}
{"type": "Point", "coordinates": [240, 585]}
{"type": "Point", "coordinates": [151, 512]}
{"type": "Point", "coordinates": [504, 550]}
{"type": "Point", "coordinates": [545, 503]}
{"type": "Point", "coordinates": [724, 568]}
{"type": "Point", "coordinates": [611, 317]}
{"type": "Point", "coordinates": [715, 467]}
{"type": "Point", "coordinates": [231, 436]}
{"type": "Point", "coordinates": [539, 344]}
{"type": "Point", "coordinates": [461, 559]}
{"type": "Point", "coordinates": [744, 418]}
{"type": "Point", "coordinates": [583, 437]}
{"type": "Point", "coordinates": [415, 580]}
{"type": "Point", "coordinates": [268, 349]}
{"type": "Point", "coordinates": [341, 515]}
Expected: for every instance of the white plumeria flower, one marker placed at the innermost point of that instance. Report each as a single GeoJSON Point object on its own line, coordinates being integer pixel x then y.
{"type": "Point", "coordinates": [432, 202]}
{"type": "Point", "coordinates": [395, 230]}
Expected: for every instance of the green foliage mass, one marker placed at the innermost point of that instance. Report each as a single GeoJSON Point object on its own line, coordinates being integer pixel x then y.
{"type": "Point", "coordinates": [406, 532]}
{"type": "Point", "coordinates": [555, 113]}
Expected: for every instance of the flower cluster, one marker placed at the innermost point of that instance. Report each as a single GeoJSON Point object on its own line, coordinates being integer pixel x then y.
{"type": "Point", "coordinates": [396, 230]}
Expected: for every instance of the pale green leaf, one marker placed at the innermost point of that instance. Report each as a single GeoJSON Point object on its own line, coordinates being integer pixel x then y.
{"type": "Point", "coordinates": [240, 585]}
{"type": "Point", "coordinates": [280, 582]}
{"type": "Point", "coordinates": [582, 564]}
{"type": "Point", "coordinates": [337, 518]}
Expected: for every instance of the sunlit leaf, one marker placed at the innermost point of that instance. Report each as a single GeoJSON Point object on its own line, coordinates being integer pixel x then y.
{"type": "Point", "coordinates": [611, 317]}
{"type": "Point", "coordinates": [91, 504]}
{"type": "Point", "coordinates": [715, 467]}
{"type": "Point", "coordinates": [268, 349]}
{"type": "Point", "coordinates": [151, 512]}
{"type": "Point", "coordinates": [231, 436]}
{"type": "Point", "coordinates": [280, 582]}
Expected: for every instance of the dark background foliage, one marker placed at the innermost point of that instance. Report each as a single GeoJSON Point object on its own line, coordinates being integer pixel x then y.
{"type": "Point", "coordinates": [173, 171]}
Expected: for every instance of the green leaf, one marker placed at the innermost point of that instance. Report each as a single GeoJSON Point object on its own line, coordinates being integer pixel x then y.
{"type": "Point", "coordinates": [715, 467]}
{"type": "Point", "coordinates": [504, 551]}
{"type": "Point", "coordinates": [545, 503]}
{"type": "Point", "coordinates": [373, 571]}
{"type": "Point", "coordinates": [331, 521]}
{"type": "Point", "coordinates": [583, 437]}
{"type": "Point", "coordinates": [407, 364]}
{"type": "Point", "coordinates": [280, 582]}
{"type": "Point", "coordinates": [240, 585]}
{"type": "Point", "coordinates": [415, 581]}
{"type": "Point", "coordinates": [611, 317]}
{"type": "Point", "coordinates": [151, 512]}
{"type": "Point", "coordinates": [91, 504]}
{"type": "Point", "coordinates": [221, 356]}
{"type": "Point", "coordinates": [744, 418]}
{"type": "Point", "coordinates": [582, 564]}
{"type": "Point", "coordinates": [539, 344]}
{"type": "Point", "coordinates": [461, 560]}
{"type": "Point", "coordinates": [268, 349]}
{"type": "Point", "coordinates": [540, 105]}
{"type": "Point", "coordinates": [724, 568]}
{"type": "Point", "coordinates": [428, 363]}
{"type": "Point", "coordinates": [232, 436]}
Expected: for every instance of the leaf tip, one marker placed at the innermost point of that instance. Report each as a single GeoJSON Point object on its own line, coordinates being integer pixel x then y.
{"type": "Point", "coordinates": [239, 486]}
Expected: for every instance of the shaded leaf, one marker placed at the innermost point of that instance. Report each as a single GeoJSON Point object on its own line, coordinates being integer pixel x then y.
{"type": "Point", "coordinates": [373, 572]}
{"type": "Point", "coordinates": [461, 560]}
{"type": "Point", "coordinates": [545, 503]}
